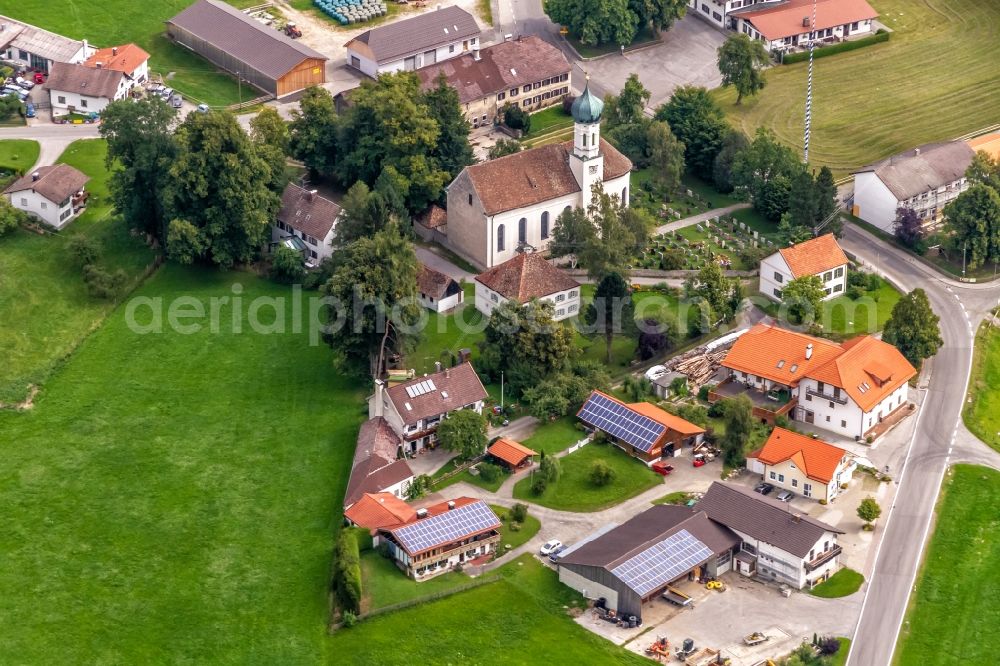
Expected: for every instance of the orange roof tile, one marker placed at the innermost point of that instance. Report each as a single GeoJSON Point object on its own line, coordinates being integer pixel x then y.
{"type": "Point", "coordinates": [675, 423]}
{"type": "Point", "coordinates": [510, 451]}
{"type": "Point", "coordinates": [817, 459]}
{"type": "Point", "coordinates": [785, 19]}
{"type": "Point", "coordinates": [778, 354]}
{"type": "Point", "coordinates": [377, 510]}
{"type": "Point", "coordinates": [126, 58]}
{"type": "Point", "coordinates": [526, 276]}
{"type": "Point", "coordinates": [988, 143]}
{"type": "Point", "coordinates": [868, 370]}
{"type": "Point", "coordinates": [814, 256]}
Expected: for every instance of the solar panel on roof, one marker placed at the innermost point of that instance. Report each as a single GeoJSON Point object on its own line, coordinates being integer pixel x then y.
{"type": "Point", "coordinates": [662, 562]}
{"type": "Point", "coordinates": [446, 527]}
{"type": "Point", "coordinates": [621, 422]}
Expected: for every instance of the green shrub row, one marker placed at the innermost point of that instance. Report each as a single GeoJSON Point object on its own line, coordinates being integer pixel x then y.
{"type": "Point", "coordinates": [837, 48]}
{"type": "Point", "coordinates": [347, 571]}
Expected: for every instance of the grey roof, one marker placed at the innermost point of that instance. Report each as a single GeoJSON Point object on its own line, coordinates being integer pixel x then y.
{"type": "Point", "coordinates": [923, 168]}
{"type": "Point", "coordinates": [260, 47]}
{"type": "Point", "coordinates": [82, 80]}
{"type": "Point", "coordinates": [768, 520]}
{"type": "Point", "coordinates": [56, 183]}
{"type": "Point", "coordinates": [636, 535]}
{"type": "Point", "coordinates": [420, 33]}
{"type": "Point", "coordinates": [308, 212]}
{"type": "Point", "coordinates": [35, 40]}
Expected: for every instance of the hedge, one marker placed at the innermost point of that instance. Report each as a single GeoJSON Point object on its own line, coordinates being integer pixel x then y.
{"type": "Point", "coordinates": [347, 571]}
{"type": "Point", "coordinates": [837, 48]}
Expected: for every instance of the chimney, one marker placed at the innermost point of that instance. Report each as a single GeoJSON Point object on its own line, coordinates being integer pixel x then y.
{"type": "Point", "coordinates": [809, 351]}
{"type": "Point", "coordinates": [447, 373]}
{"type": "Point", "coordinates": [797, 517]}
{"type": "Point", "coordinates": [451, 505]}
{"type": "Point", "coordinates": [310, 194]}
{"type": "Point", "coordinates": [437, 366]}
{"type": "Point", "coordinates": [86, 47]}
{"type": "Point", "coordinates": [114, 50]}
{"type": "Point", "coordinates": [421, 513]}
{"type": "Point", "coordinates": [379, 398]}
{"type": "Point", "coordinates": [916, 151]}
{"type": "Point", "coordinates": [35, 176]}
{"type": "Point", "coordinates": [805, 21]}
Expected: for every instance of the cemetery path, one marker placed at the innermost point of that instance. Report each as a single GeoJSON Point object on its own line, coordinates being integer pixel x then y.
{"type": "Point", "coordinates": [695, 219]}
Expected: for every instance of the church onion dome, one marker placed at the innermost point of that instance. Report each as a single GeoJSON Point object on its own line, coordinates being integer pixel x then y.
{"type": "Point", "coordinates": [587, 107]}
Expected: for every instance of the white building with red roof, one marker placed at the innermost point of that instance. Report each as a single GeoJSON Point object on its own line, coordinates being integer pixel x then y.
{"type": "Point", "coordinates": [788, 23]}
{"type": "Point", "coordinates": [848, 388]}
{"type": "Point", "coordinates": [437, 291]}
{"type": "Point", "coordinates": [821, 256]}
{"type": "Point", "coordinates": [306, 222]}
{"type": "Point", "coordinates": [802, 464]}
{"type": "Point", "coordinates": [129, 59]}
{"type": "Point", "coordinates": [524, 278]}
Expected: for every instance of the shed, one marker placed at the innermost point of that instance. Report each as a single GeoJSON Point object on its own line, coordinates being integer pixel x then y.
{"type": "Point", "coordinates": [511, 454]}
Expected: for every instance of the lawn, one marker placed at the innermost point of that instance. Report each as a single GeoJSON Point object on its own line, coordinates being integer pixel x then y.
{"type": "Point", "coordinates": [172, 498]}
{"type": "Point", "coordinates": [555, 436]}
{"type": "Point", "coordinates": [643, 36]}
{"type": "Point", "coordinates": [874, 102]}
{"type": "Point", "coordinates": [679, 497]}
{"type": "Point", "coordinates": [547, 120]}
{"type": "Point", "coordinates": [982, 409]}
{"type": "Point", "coordinates": [444, 334]}
{"type": "Point", "coordinates": [466, 477]}
{"type": "Point", "coordinates": [842, 317]}
{"type": "Point", "coordinates": [840, 659]}
{"type": "Point", "coordinates": [383, 584]}
{"type": "Point", "coordinates": [841, 584]}
{"type": "Point", "coordinates": [953, 612]}
{"type": "Point", "coordinates": [17, 155]}
{"type": "Point", "coordinates": [521, 619]}
{"type": "Point", "coordinates": [120, 21]}
{"type": "Point", "coordinates": [508, 537]}
{"type": "Point", "coordinates": [46, 310]}
{"type": "Point", "coordinates": [703, 196]}
{"type": "Point", "coordinates": [574, 491]}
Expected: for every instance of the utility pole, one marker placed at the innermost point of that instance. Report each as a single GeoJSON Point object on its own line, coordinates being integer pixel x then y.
{"type": "Point", "coordinates": [809, 87]}
{"type": "Point", "coordinates": [501, 392]}
{"type": "Point", "coordinates": [965, 246]}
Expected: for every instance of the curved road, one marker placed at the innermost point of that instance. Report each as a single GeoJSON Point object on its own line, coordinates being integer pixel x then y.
{"type": "Point", "coordinates": [961, 307]}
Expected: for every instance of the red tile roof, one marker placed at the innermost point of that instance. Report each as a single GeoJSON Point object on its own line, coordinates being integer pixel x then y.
{"type": "Point", "coordinates": [535, 175]}
{"type": "Point", "coordinates": [375, 465]}
{"type": "Point", "coordinates": [814, 256]}
{"type": "Point", "coordinates": [761, 350]}
{"type": "Point", "coordinates": [453, 389]}
{"type": "Point", "coordinates": [675, 423]}
{"type": "Point", "coordinates": [817, 459]}
{"type": "Point", "coordinates": [375, 510]}
{"type": "Point", "coordinates": [56, 183]}
{"type": "Point", "coordinates": [526, 276]}
{"type": "Point", "coordinates": [510, 452]}
{"type": "Point", "coordinates": [988, 143]}
{"type": "Point", "coordinates": [433, 217]}
{"type": "Point", "coordinates": [125, 58]}
{"type": "Point", "coordinates": [868, 370]}
{"type": "Point", "coordinates": [308, 212]}
{"type": "Point", "coordinates": [85, 81]}
{"type": "Point", "coordinates": [785, 19]}
{"type": "Point", "coordinates": [441, 508]}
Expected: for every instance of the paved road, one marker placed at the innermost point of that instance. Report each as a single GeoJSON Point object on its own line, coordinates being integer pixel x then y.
{"type": "Point", "coordinates": [960, 307]}
{"type": "Point", "coordinates": [52, 139]}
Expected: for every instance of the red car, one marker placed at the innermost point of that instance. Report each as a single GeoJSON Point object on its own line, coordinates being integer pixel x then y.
{"type": "Point", "coordinates": [698, 460]}
{"type": "Point", "coordinates": [39, 77]}
{"type": "Point", "coordinates": [662, 468]}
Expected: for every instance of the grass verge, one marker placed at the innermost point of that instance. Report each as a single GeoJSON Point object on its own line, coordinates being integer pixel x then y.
{"type": "Point", "coordinates": [981, 412]}
{"type": "Point", "coordinates": [17, 155]}
{"type": "Point", "coordinates": [841, 584]}
{"type": "Point", "coordinates": [515, 538]}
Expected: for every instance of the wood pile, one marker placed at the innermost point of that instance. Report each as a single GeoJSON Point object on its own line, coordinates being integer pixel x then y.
{"type": "Point", "coordinates": [699, 367]}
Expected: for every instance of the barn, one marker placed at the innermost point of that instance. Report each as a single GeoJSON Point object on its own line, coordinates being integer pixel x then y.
{"type": "Point", "coordinates": [258, 54]}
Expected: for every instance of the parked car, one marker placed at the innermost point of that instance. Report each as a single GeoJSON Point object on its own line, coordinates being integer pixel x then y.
{"type": "Point", "coordinates": [698, 460]}
{"type": "Point", "coordinates": [785, 496]}
{"type": "Point", "coordinates": [29, 110]}
{"type": "Point", "coordinates": [39, 77]}
{"type": "Point", "coordinates": [763, 488]}
{"type": "Point", "coordinates": [549, 546]}
{"type": "Point", "coordinates": [24, 83]}
{"type": "Point", "coordinates": [176, 100]}
{"type": "Point", "coordinates": [655, 372]}
{"type": "Point", "coordinates": [14, 90]}
{"type": "Point", "coordinates": [662, 468]}
{"type": "Point", "coordinates": [555, 554]}
{"type": "Point", "coordinates": [203, 108]}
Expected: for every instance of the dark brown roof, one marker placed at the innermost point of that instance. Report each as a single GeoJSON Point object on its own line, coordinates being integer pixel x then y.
{"type": "Point", "coordinates": [426, 31]}
{"type": "Point", "coordinates": [536, 175]}
{"type": "Point", "coordinates": [375, 466]}
{"type": "Point", "coordinates": [83, 80]}
{"type": "Point", "coordinates": [640, 532]}
{"type": "Point", "coordinates": [502, 66]}
{"type": "Point", "coordinates": [306, 212]}
{"type": "Point", "coordinates": [433, 217]}
{"type": "Point", "coordinates": [435, 283]}
{"type": "Point", "coordinates": [453, 389]}
{"type": "Point", "coordinates": [763, 518]}
{"type": "Point", "coordinates": [258, 46]}
{"type": "Point", "coordinates": [526, 276]}
{"type": "Point", "coordinates": [56, 183]}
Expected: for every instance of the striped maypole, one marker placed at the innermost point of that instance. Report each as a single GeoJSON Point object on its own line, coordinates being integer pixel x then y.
{"type": "Point", "coordinates": [809, 86]}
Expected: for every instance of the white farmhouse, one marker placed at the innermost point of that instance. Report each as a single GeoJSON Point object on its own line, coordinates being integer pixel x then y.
{"type": "Point", "coordinates": [821, 256]}
{"type": "Point", "coordinates": [437, 291]}
{"type": "Point", "coordinates": [306, 222]}
{"type": "Point", "coordinates": [848, 388]}
{"type": "Point", "coordinates": [500, 208]}
{"type": "Point", "coordinates": [801, 464]}
{"type": "Point", "coordinates": [414, 43]}
{"type": "Point", "coordinates": [415, 408]}
{"type": "Point", "coordinates": [526, 277]}
{"type": "Point", "coordinates": [52, 194]}
{"type": "Point", "coordinates": [924, 180]}
{"type": "Point", "coordinates": [33, 48]}
{"type": "Point", "coordinates": [778, 543]}
{"type": "Point", "coordinates": [82, 89]}
{"type": "Point", "coordinates": [128, 59]}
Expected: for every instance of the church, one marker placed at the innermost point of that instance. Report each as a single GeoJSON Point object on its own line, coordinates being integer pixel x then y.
{"type": "Point", "coordinates": [502, 207]}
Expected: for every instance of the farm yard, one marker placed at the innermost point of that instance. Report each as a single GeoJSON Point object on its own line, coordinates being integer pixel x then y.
{"type": "Point", "coordinates": [880, 100]}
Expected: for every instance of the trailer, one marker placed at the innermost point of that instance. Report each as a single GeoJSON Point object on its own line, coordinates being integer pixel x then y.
{"type": "Point", "coordinates": [705, 657]}
{"type": "Point", "coordinates": [676, 597]}
{"type": "Point", "coordinates": [756, 638]}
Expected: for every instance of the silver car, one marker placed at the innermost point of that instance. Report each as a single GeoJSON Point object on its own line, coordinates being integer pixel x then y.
{"type": "Point", "coordinates": [785, 496]}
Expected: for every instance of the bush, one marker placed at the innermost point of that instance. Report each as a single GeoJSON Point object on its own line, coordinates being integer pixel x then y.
{"type": "Point", "coordinates": [716, 409]}
{"type": "Point", "coordinates": [349, 619]}
{"type": "Point", "coordinates": [519, 512]}
{"type": "Point", "coordinates": [539, 484]}
{"type": "Point", "coordinates": [514, 526]}
{"type": "Point", "coordinates": [347, 572]}
{"type": "Point", "coordinates": [704, 391]}
{"type": "Point", "coordinates": [828, 645]}
{"type": "Point", "coordinates": [601, 474]}
{"type": "Point", "coordinates": [515, 118]}
{"type": "Point", "coordinates": [286, 265]}
{"type": "Point", "coordinates": [84, 249]}
{"type": "Point", "coordinates": [489, 472]}
{"type": "Point", "coordinates": [102, 284]}
{"type": "Point", "coordinates": [843, 47]}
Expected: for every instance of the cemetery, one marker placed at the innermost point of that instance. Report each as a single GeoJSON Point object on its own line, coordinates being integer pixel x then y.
{"type": "Point", "coordinates": [729, 241]}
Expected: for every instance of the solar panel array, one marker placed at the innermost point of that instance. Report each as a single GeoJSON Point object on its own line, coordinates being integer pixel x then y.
{"type": "Point", "coordinates": [621, 422]}
{"type": "Point", "coordinates": [421, 387]}
{"type": "Point", "coordinates": [662, 562]}
{"type": "Point", "coordinates": [446, 527]}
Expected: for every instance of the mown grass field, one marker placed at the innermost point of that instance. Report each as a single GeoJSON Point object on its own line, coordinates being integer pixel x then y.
{"type": "Point", "coordinates": [954, 610]}
{"type": "Point", "coordinates": [936, 79]}
{"type": "Point", "coordinates": [17, 155]}
{"type": "Point", "coordinates": [172, 498]}
{"type": "Point", "coordinates": [982, 410]}
{"type": "Point", "coordinates": [45, 307]}
{"type": "Point", "coordinates": [383, 584]}
{"type": "Point", "coordinates": [115, 22]}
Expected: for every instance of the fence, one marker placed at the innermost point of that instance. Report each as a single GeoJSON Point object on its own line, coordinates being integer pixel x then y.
{"type": "Point", "coordinates": [458, 470]}
{"type": "Point", "coordinates": [842, 47]}
{"type": "Point", "coordinates": [247, 105]}
{"type": "Point", "coordinates": [579, 445]}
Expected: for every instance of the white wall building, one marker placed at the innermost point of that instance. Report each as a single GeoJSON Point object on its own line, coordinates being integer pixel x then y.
{"type": "Point", "coordinates": [821, 257]}
{"type": "Point", "coordinates": [413, 43]}
{"type": "Point", "coordinates": [52, 194]}
{"type": "Point", "coordinates": [526, 277]}
{"type": "Point", "coordinates": [437, 291]}
{"type": "Point", "coordinates": [924, 180]}
{"type": "Point", "coordinates": [128, 59]}
{"type": "Point", "coordinates": [37, 49]}
{"type": "Point", "coordinates": [801, 464]}
{"type": "Point", "coordinates": [306, 222]}
{"type": "Point", "coordinates": [84, 90]}
{"type": "Point", "coordinates": [784, 25]}
{"type": "Point", "coordinates": [500, 208]}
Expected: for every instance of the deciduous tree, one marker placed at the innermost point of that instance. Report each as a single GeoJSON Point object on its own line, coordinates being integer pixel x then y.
{"type": "Point", "coordinates": [869, 510]}
{"type": "Point", "coordinates": [741, 62]}
{"type": "Point", "coordinates": [612, 311]}
{"type": "Point", "coordinates": [601, 473]}
{"type": "Point", "coordinates": [697, 122]}
{"type": "Point", "coordinates": [974, 220]}
{"type": "Point", "coordinates": [765, 171]}
{"type": "Point", "coordinates": [984, 170]}
{"type": "Point", "coordinates": [503, 147]}
{"type": "Point", "coordinates": [666, 156]}
{"type": "Point", "coordinates": [914, 328]}
{"type": "Point", "coordinates": [313, 131]}
{"type": "Point", "coordinates": [269, 133]}
{"type": "Point", "coordinates": [722, 168]}
{"type": "Point", "coordinates": [737, 415]}
{"type": "Point", "coordinates": [463, 432]}
{"type": "Point", "coordinates": [908, 227]}
{"type": "Point", "coordinates": [627, 106]}
{"type": "Point", "coordinates": [11, 218]}
{"type": "Point", "coordinates": [804, 298]}
{"type": "Point", "coordinates": [595, 22]}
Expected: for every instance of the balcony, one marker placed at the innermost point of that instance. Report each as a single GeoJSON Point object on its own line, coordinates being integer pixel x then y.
{"type": "Point", "coordinates": [766, 404]}
{"type": "Point", "coordinates": [823, 558]}
{"type": "Point", "coordinates": [840, 400]}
